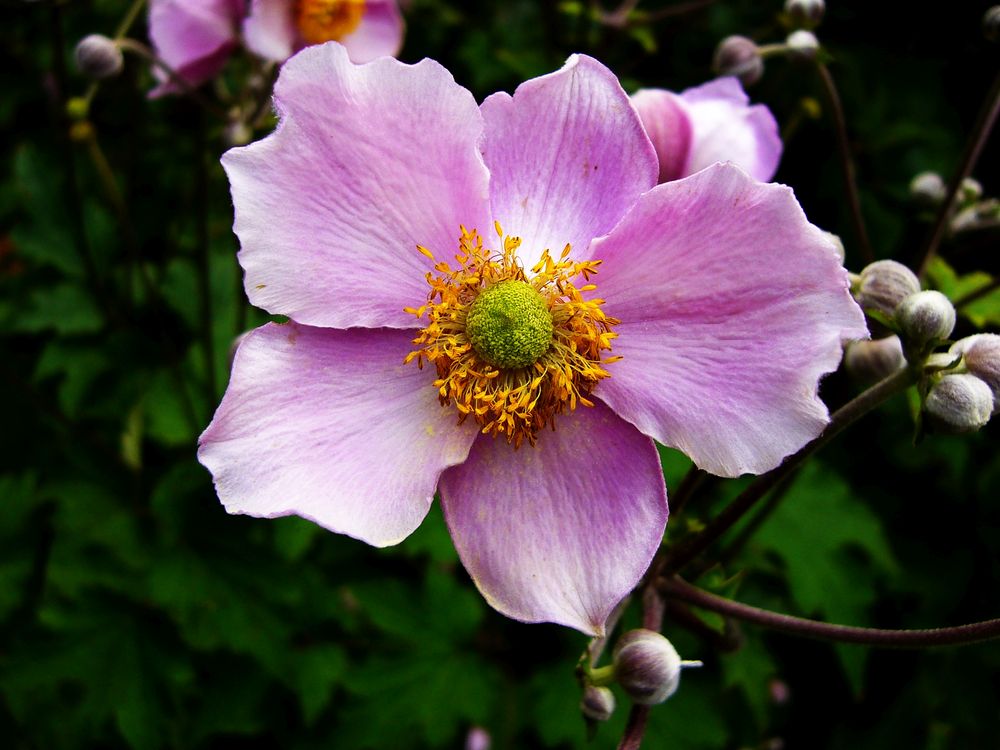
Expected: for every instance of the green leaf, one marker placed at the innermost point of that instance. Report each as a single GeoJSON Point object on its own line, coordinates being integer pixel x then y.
{"type": "Point", "coordinates": [984, 311]}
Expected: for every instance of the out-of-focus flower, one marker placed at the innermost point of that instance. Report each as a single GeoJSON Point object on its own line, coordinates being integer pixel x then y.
{"type": "Point", "coordinates": [706, 124]}
{"type": "Point", "coordinates": [276, 29]}
{"type": "Point", "coordinates": [715, 352]}
{"type": "Point", "coordinates": [193, 37]}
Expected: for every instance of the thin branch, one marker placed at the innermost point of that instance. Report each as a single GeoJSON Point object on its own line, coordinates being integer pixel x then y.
{"type": "Point", "coordinates": [980, 134]}
{"type": "Point", "coordinates": [685, 552]}
{"type": "Point", "coordinates": [846, 162]}
{"type": "Point", "coordinates": [976, 632]}
{"type": "Point", "coordinates": [635, 729]}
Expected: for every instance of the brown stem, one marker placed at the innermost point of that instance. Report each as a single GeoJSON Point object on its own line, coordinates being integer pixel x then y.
{"type": "Point", "coordinates": [846, 161]}
{"type": "Point", "coordinates": [976, 632]}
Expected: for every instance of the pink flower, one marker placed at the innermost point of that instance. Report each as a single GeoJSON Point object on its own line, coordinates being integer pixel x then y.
{"type": "Point", "coordinates": [276, 29]}
{"type": "Point", "coordinates": [707, 124]}
{"type": "Point", "coordinates": [193, 37]}
{"type": "Point", "coordinates": [717, 352]}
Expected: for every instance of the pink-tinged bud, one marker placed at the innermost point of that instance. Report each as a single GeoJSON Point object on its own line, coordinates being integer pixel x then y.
{"type": "Point", "coordinates": [805, 13]}
{"type": "Point", "coordinates": [598, 703]}
{"type": "Point", "coordinates": [802, 45]}
{"type": "Point", "coordinates": [98, 57]}
{"type": "Point", "coordinates": [924, 318]}
{"type": "Point", "coordinates": [478, 739]}
{"type": "Point", "coordinates": [981, 356]}
{"type": "Point", "coordinates": [928, 189]}
{"type": "Point", "coordinates": [871, 361]}
{"type": "Point", "coordinates": [647, 666]}
{"type": "Point", "coordinates": [740, 57]}
{"type": "Point", "coordinates": [991, 23]}
{"type": "Point", "coordinates": [883, 285]}
{"type": "Point", "coordinates": [958, 403]}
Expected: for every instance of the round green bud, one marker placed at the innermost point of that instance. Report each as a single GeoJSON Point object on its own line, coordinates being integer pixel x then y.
{"type": "Point", "coordinates": [98, 57]}
{"type": "Point", "coordinates": [805, 13]}
{"type": "Point", "coordinates": [647, 666]}
{"type": "Point", "coordinates": [958, 403]}
{"type": "Point", "coordinates": [928, 189]}
{"type": "Point", "coordinates": [884, 284]}
{"type": "Point", "coordinates": [802, 45]}
{"type": "Point", "coordinates": [509, 325]}
{"type": "Point", "coordinates": [871, 361]}
{"type": "Point", "coordinates": [597, 703]}
{"type": "Point", "coordinates": [925, 317]}
{"type": "Point", "coordinates": [739, 56]}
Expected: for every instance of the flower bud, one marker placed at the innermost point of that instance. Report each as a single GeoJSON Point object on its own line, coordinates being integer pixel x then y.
{"type": "Point", "coordinates": [802, 45]}
{"type": "Point", "coordinates": [740, 57]}
{"type": "Point", "coordinates": [805, 13]}
{"type": "Point", "coordinates": [981, 356]}
{"type": "Point", "coordinates": [647, 666]}
{"type": "Point", "coordinates": [991, 23]}
{"type": "Point", "coordinates": [958, 403]}
{"type": "Point", "coordinates": [98, 57]}
{"type": "Point", "coordinates": [598, 703]}
{"type": "Point", "coordinates": [871, 361]}
{"type": "Point", "coordinates": [884, 284]}
{"type": "Point", "coordinates": [478, 739]}
{"type": "Point", "coordinates": [925, 317]}
{"type": "Point", "coordinates": [928, 189]}
{"type": "Point", "coordinates": [970, 191]}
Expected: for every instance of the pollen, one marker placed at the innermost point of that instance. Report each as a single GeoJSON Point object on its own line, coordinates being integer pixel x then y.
{"type": "Point", "coordinates": [321, 21]}
{"type": "Point", "coordinates": [512, 349]}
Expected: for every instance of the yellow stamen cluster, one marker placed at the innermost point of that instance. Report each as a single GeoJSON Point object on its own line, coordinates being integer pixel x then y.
{"type": "Point", "coordinates": [514, 402]}
{"type": "Point", "coordinates": [321, 21]}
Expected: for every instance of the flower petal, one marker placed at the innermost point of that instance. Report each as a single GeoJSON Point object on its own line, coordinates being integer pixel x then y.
{"type": "Point", "coordinates": [567, 157]}
{"type": "Point", "coordinates": [269, 29]}
{"type": "Point", "coordinates": [368, 161]}
{"type": "Point", "coordinates": [732, 307]}
{"type": "Point", "coordinates": [193, 37]}
{"type": "Point", "coordinates": [725, 127]}
{"type": "Point", "coordinates": [666, 122]}
{"type": "Point", "coordinates": [330, 425]}
{"type": "Point", "coordinates": [562, 531]}
{"type": "Point", "coordinates": [379, 34]}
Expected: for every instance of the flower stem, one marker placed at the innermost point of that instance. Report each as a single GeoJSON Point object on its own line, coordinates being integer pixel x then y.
{"type": "Point", "coordinates": [980, 134]}
{"type": "Point", "coordinates": [846, 162]}
{"type": "Point", "coordinates": [976, 632]}
{"type": "Point", "coordinates": [685, 552]}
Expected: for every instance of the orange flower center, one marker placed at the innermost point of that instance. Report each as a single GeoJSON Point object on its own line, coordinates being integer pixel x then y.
{"type": "Point", "coordinates": [321, 21]}
{"type": "Point", "coordinates": [512, 351]}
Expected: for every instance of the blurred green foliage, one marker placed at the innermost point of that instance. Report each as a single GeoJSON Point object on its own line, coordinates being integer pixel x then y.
{"type": "Point", "coordinates": [135, 613]}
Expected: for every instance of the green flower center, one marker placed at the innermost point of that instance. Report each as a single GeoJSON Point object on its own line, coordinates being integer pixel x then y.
{"type": "Point", "coordinates": [509, 325]}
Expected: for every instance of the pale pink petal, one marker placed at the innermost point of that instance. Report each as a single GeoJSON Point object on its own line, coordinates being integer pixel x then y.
{"type": "Point", "coordinates": [367, 162]}
{"type": "Point", "coordinates": [269, 29]}
{"type": "Point", "coordinates": [732, 307]}
{"type": "Point", "coordinates": [193, 37]}
{"type": "Point", "coordinates": [668, 127]}
{"type": "Point", "coordinates": [379, 34]}
{"type": "Point", "coordinates": [330, 425]}
{"type": "Point", "coordinates": [726, 127]}
{"type": "Point", "coordinates": [562, 531]}
{"type": "Point", "coordinates": [567, 157]}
